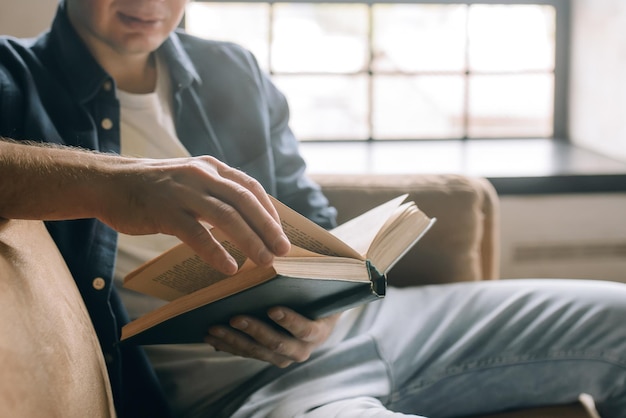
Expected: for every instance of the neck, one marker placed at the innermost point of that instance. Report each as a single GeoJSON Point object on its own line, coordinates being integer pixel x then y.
{"type": "Point", "coordinates": [132, 72]}
{"type": "Point", "coordinates": [136, 74]}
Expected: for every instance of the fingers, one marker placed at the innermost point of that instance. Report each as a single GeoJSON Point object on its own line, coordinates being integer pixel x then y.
{"type": "Point", "coordinates": [253, 338]}
{"type": "Point", "coordinates": [200, 239]}
{"type": "Point", "coordinates": [231, 225]}
{"type": "Point", "coordinates": [300, 327]}
{"type": "Point", "coordinates": [238, 205]}
{"type": "Point", "coordinates": [248, 183]}
{"type": "Point", "coordinates": [238, 341]}
{"type": "Point", "coordinates": [177, 196]}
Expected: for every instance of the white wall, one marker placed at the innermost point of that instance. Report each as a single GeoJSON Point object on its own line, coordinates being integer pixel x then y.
{"type": "Point", "coordinates": [598, 82]}
{"type": "Point", "coordinates": [571, 236]}
{"type": "Point", "coordinates": [580, 236]}
{"type": "Point", "coordinates": [25, 18]}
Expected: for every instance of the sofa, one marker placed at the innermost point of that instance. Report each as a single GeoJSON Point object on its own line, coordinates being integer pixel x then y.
{"type": "Point", "coordinates": [51, 362]}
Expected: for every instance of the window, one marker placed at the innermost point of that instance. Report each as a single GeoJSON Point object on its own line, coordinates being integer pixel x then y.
{"type": "Point", "coordinates": [367, 70]}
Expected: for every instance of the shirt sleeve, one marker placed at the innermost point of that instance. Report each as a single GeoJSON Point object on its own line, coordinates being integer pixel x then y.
{"type": "Point", "coordinates": [293, 186]}
{"type": "Point", "coordinates": [10, 97]}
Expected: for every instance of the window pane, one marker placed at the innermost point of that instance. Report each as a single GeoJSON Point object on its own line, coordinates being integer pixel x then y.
{"type": "Point", "coordinates": [418, 107]}
{"type": "Point", "coordinates": [320, 37]}
{"type": "Point", "coordinates": [433, 70]}
{"type": "Point", "coordinates": [511, 105]}
{"type": "Point", "coordinates": [419, 37]}
{"type": "Point", "coordinates": [326, 107]}
{"type": "Point", "coordinates": [244, 23]}
{"type": "Point", "coordinates": [511, 38]}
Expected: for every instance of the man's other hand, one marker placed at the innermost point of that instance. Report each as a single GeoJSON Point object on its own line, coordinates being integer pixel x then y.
{"type": "Point", "coordinates": [253, 338]}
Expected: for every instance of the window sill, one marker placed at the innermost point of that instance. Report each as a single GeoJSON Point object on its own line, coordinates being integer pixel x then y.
{"type": "Point", "coordinates": [532, 166]}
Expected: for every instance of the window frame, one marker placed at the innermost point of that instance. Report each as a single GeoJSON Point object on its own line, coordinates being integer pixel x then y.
{"type": "Point", "coordinates": [561, 59]}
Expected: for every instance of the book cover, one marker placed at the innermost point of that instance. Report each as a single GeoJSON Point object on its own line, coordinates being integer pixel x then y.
{"type": "Point", "coordinates": [313, 298]}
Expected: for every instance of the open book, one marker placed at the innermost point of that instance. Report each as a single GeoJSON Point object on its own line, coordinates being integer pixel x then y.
{"type": "Point", "coordinates": [324, 273]}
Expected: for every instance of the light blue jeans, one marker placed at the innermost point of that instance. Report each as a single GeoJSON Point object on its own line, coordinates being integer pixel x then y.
{"type": "Point", "coordinates": [461, 349]}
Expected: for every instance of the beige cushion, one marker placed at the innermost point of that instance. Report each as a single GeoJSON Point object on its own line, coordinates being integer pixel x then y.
{"type": "Point", "coordinates": [461, 246]}
{"type": "Point", "coordinates": [51, 361]}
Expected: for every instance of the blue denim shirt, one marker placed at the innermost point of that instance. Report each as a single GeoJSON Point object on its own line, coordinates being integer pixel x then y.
{"type": "Point", "coordinates": [52, 90]}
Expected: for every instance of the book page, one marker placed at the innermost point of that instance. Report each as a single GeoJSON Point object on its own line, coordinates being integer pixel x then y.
{"type": "Point", "coordinates": [401, 235]}
{"type": "Point", "coordinates": [179, 271]}
{"type": "Point", "coordinates": [360, 232]}
{"type": "Point", "coordinates": [306, 234]}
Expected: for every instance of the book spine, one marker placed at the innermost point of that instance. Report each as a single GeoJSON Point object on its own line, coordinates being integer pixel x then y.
{"type": "Point", "coordinates": [349, 299]}
{"type": "Point", "coordinates": [378, 279]}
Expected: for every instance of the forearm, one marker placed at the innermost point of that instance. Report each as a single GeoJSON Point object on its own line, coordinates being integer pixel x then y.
{"type": "Point", "coordinates": [39, 181]}
{"type": "Point", "coordinates": [143, 196]}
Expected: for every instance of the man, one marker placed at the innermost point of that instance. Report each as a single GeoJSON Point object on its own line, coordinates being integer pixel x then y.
{"type": "Point", "coordinates": [111, 77]}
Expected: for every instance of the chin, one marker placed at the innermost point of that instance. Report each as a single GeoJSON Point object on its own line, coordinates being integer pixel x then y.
{"type": "Point", "coordinates": [140, 46]}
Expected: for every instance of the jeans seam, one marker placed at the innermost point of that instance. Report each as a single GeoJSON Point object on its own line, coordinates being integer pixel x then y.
{"type": "Point", "coordinates": [388, 369]}
{"type": "Point", "coordinates": [398, 394]}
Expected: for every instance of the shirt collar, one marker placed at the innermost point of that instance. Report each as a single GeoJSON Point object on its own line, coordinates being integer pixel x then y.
{"type": "Point", "coordinates": [86, 77]}
{"type": "Point", "coordinates": [182, 70]}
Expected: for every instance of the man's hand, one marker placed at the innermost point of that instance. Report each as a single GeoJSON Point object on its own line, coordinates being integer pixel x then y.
{"type": "Point", "coordinates": [175, 196]}
{"type": "Point", "coordinates": [144, 196]}
{"type": "Point", "coordinates": [250, 337]}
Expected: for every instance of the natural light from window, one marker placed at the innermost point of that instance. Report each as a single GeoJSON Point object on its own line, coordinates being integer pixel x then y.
{"type": "Point", "coordinates": [390, 71]}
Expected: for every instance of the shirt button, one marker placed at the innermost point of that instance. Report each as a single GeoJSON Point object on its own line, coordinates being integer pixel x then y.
{"type": "Point", "coordinates": [106, 123]}
{"type": "Point", "coordinates": [98, 283]}
{"type": "Point", "coordinates": [107, 85]}
{"type": "Point", "coordinates": [108, 358]}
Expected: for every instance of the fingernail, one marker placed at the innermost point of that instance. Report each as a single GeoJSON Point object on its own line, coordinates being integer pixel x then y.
{"type": "Point", "coordinates": [230, 266]}
{"type": "Point", "coordinates": [281, 245]}
{"type": "Point", "coordinates": [217, 332]}
{"type": "Point", "coordinates": [276, 315]}
{"type": "Point", "coordinates": [240, 324]}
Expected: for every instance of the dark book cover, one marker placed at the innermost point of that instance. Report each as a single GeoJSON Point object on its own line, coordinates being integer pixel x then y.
{"type": "Point", "coordinates": [313, 298]}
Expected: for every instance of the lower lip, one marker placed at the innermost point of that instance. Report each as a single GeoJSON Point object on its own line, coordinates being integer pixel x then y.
{"type": "Point", "coordinates": [135, 23]}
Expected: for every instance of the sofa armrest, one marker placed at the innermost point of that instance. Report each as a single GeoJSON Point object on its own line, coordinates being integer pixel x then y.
{"type": "Point", "coordinates": [461, 246]}
{"type": "Point", "coordinates": [51, 360]}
